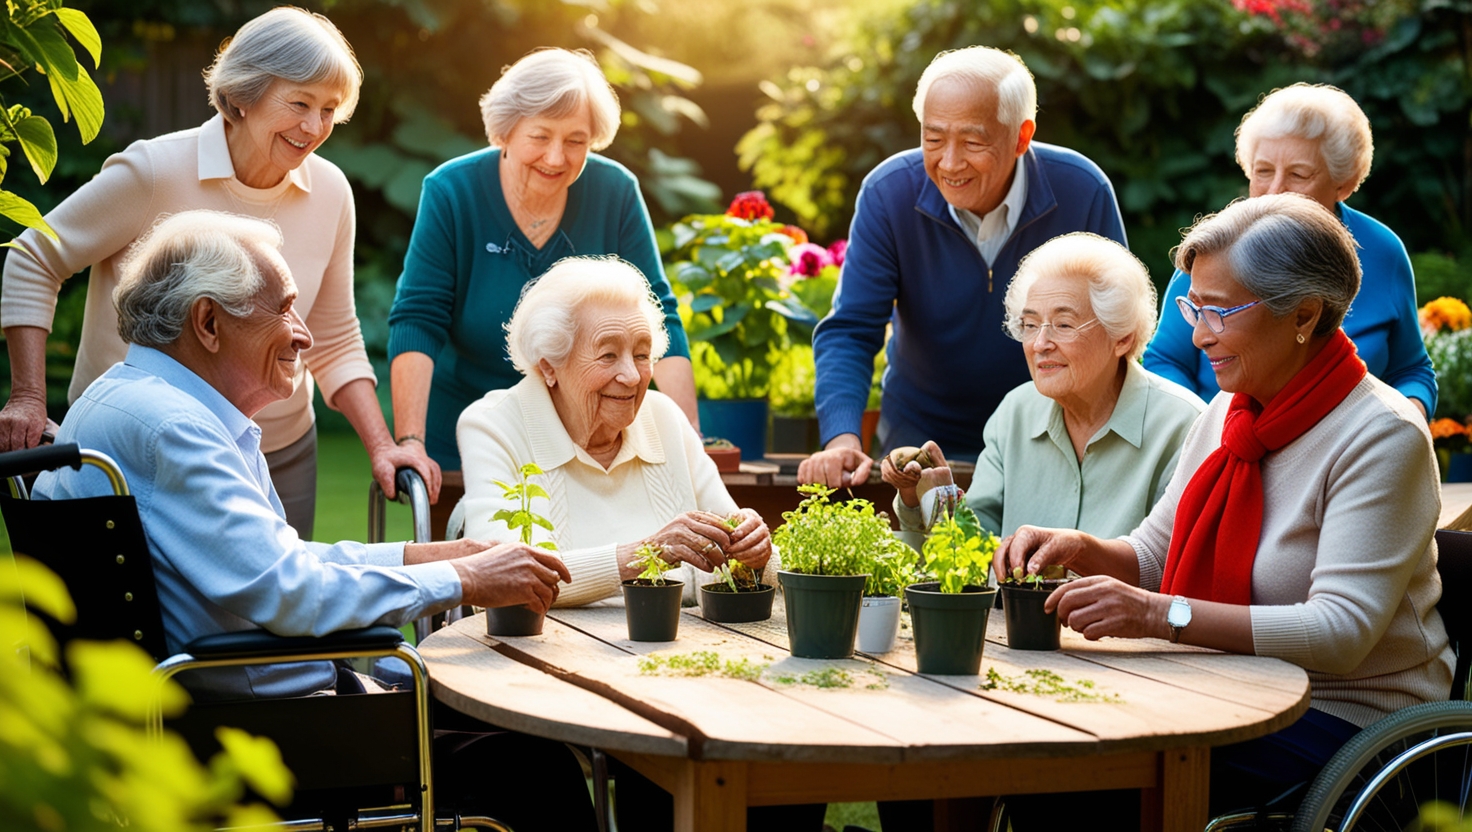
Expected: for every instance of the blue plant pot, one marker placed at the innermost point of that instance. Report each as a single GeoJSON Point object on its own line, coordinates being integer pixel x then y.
{"type": "Point", "coordinates": [743, 422]}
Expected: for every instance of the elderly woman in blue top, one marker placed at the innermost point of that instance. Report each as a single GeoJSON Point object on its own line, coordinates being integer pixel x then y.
{"type": "Point", "coordinates": [492, 220]}
{"type": "Point", "coordinates": [1314, 140]}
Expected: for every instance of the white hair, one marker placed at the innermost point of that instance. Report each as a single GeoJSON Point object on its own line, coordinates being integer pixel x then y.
{"type": "Point", "coordinates": [552, 83]}
{"type": "Point", "coordinates": [186, 257]}
{"type": "Point", "coordinates": [1017, 94]}
{"type": "Point", "coordinates": [1315, 112]}
{"type": "Point", "coordinates": [286, 44]}
{"type": "Point", "coordinates": [545, 323]}
{"type": "Point", "coordinates": [1120, 291]}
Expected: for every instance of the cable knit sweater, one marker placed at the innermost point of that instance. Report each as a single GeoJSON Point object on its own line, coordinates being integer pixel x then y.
{"type": "Point", "coordinates": [660, 472]}
{"type": "Point", "coordinates": [1344, 583]}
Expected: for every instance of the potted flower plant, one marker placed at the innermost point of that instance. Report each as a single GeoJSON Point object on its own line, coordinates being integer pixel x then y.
{"type": "Point", "coordinates": [651, 603]}
{"type": "Point", "coordinates": [1028, 626]}
{"type": "Point", "coordinates": [520, 620]}
{"type": "Point", "coordinates": [949, 614]}
{"type": "Point", "coordinates": [1446, 327]}
{"type": "Point", "coordinates": [828, 552]}
{"type": "Point", "coordinates": [879, 613]}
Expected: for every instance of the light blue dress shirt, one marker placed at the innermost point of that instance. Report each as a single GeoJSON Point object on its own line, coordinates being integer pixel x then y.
{"type": "Point", "coordinates": [224, 557]}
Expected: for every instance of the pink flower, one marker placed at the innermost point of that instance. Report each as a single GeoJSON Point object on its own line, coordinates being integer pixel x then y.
{"type": "Point", "coordinates": [808, 259]}
{"type": "Point", "coordinates": [838, 251]}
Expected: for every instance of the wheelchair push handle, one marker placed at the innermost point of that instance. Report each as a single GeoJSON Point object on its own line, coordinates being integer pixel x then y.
{"type": "Point", "coordinates": [40, 458]}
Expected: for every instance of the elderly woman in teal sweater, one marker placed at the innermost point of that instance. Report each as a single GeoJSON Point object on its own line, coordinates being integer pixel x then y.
{"type": "Point", "coordinates": [494, 219]}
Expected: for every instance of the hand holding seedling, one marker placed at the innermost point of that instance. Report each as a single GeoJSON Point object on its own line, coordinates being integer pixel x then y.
{"type": "Point", "coordinates": [698, 538]}
{"type": "Point", "coordinates": [508, 574]}
{"type": "Point", "coordinates": [751, 540]}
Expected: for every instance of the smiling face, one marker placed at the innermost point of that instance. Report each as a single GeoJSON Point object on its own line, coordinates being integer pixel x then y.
{"type": "Point", "coordinates": [1256, 353]}
{"type": "Point", "coordinates": [599, 388]}
{"type": "Point", "coordinates": [260, 353]}
{"type": "Point", "coordinates": [1293, 164]}
{"type": "Point", "coordinates": [277, 133]}
{"type": "Point", "coordinates": [545, 155]}
{"type": "Point", "coordinates": [1079, 371]}
{"type": "Point", "coordinates": [968, 153]}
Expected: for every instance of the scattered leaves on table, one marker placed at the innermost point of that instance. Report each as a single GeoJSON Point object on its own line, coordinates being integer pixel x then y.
{"type": "Point", "coordinates": [1038, 682]}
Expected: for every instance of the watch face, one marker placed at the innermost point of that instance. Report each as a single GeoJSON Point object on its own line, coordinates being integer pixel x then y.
{"type": "Point", "coordinates": [1179, 615]}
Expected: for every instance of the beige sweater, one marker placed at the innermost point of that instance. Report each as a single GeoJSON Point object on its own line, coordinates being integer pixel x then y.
{"type": "Point", "coordinates": [181, 171]}
{"type": "Point", "coordinates": [661, 471]}
{"type": "Point", "coordinates": [1344, 583]}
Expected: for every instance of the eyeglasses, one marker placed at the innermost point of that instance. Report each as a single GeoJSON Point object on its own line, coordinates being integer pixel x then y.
{"type": "Point", "coordinates": [1215, 316]}
{"type": "Point", "coordinates": [1063, 333]}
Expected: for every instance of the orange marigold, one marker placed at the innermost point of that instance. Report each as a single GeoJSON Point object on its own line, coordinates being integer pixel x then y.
{"type": "Point", "coordinates": [1449, 313]}
{"type": "Point", "coordinates": [1447, 428]}
{"type": "Point", "coordinates": [797, 234]}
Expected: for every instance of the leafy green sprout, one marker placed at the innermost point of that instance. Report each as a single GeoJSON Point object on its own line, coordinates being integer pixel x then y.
{"type": "Point", "coordinates": [959, 551]}
{"type": "Point", "coordinates": [1040, 682]}
{"type": "Point", "coordinates": [738, 576]}
{"type": "Point", "coordinates": [524, 518]}
{"type": "Point", "coordinates": [649, 558]}
{"type": "Point", "coordinates": [701, 663]}
{"type": "Point", "coordinates": [1048, 574]}
{"type": "Point", "coordinates": [822, 537]}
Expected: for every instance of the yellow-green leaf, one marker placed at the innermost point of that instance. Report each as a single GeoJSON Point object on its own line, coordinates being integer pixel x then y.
{"type": "Point", "coordinates": [44, 44]}
{"type": "Point", "coordinates": [42, 588]}
{"type": "Point", "coordinates": [39, 143]}
{"type": "Point", "coordinates": [81, 28]}
{"type": "Point", "coordinates": [254, 816]}
{"type": "Point", "coordinates": [20, 211]}
{"type": "Point", "coordinates": [259, 762]}
{"type": "Point", "coordinates": [118, 677]}
{"type": "Point", "coordinates": [79, 97]}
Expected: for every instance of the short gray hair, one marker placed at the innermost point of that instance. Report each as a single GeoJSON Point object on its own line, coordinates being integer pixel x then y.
{"type": "Point", "coordinates": [186, 257]}
{"type": "Point", "coordinates": [1283, 248]}
{"type": "Point", "coordinates": [1120, 291]}
{"type": "Point", "coordinates": [545, 323]}
{"type": "Point", "coordinates": [1017, 93]}
{"type": "Point", "coordinates": [287, 44]}
{"type": "Point", "coordinates": [551, 83]}
{"type": "Point", "coordinates": [1315, 112]}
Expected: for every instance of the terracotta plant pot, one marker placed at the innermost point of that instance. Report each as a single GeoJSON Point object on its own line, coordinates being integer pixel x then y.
{"type": "Point", "coordinates": [879, 624]}
{"type": "Point", "coordinates": [513, 621]}
{"type": "Point", "coordinates": [727, 607]}
{"type": "Point", "coordinates": [653, 612]}
{"type": "Point", "coordinates": [822, 613]}
{"type": "Point", "coordinates": [1028, 627]}
{"type": "Point", "coordinates": [950, 627]}
{"type": "Point", "coordinates": [727, 460]}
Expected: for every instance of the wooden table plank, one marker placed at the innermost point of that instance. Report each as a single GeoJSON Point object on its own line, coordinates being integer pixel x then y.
{"type": "Point", "coordinates": [1456, 506]}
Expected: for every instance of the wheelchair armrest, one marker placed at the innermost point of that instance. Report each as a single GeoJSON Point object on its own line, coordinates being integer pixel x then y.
{"type": "Point", "coordinates": [247, 643]}
{"type": "Point", "coordinates": [41, 458]}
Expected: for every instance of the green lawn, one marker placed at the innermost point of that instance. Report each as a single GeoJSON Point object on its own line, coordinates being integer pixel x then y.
{"type": "Point", "coordinates": [342, 492]}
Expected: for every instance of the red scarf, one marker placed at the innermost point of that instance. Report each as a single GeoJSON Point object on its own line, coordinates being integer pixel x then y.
{"type": "Point", "coordinates": [1219, 516]}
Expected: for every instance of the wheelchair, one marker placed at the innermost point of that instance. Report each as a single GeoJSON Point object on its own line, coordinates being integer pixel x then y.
{"type": "Point", "coordinates": [347, 777]}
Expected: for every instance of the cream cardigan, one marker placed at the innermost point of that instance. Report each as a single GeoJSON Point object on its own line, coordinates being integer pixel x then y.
{"type": "Point", "coordinates": [660, 472]}
{"type": "Point", "coordinates": [98, 224]}
{"type": "Point", "coordinates": [1344, 583]}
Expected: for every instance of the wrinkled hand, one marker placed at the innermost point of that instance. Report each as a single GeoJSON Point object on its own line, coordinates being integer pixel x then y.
{"type": "Point", "coordinates": [698, 538]}
{"type": "Point", "coordinates": [1032, 548]}
{"type": "Point", "coordinates": [837, 467]}
{"type": "Point", "coordinates": [1100, 606]}
{"type": "Point", "coordinates": [751, 542]}
{"type": "Point", "coordinates": [387, 458]}
{"type": "Point", "coordinates": [511, 573]}
{"type": "Point", "coordinates": [22, 421]}
{"type": "Point", "coordinates": [914, 479]}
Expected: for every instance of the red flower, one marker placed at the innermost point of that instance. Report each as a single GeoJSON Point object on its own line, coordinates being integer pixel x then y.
{"type": "Point", "coordinates": [750, 205]}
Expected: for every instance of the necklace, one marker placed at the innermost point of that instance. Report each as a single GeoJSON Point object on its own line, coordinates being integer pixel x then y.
{"type": "Point", "coordinates": [537, 229]}
{"type": "Point", "coordinates": [253, 209]}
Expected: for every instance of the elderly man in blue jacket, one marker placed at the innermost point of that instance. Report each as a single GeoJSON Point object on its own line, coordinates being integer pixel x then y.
{"type": "Point", "coordinates": [937, 235]}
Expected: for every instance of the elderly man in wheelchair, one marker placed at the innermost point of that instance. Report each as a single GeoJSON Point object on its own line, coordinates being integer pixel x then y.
{"type": "Point", "coordinates": [206, 304]}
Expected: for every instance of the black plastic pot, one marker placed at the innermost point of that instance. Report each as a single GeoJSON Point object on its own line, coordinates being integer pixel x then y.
{"type": "Point", "coordinates": [950, 627]}
{"type": "Point", "coordinates": [729, 607]}
{"type": "Point", "coordinates": [1028, 627]}
{"type": "Point", "coordinates": [653, 612]}
{"type": "Point", "coordinates": [822, 613]}
{"type": "Point", "coordinates": [519, 620]}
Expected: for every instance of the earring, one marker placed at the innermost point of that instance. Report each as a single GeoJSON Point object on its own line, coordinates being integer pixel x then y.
{"type": "Point", "coordinates": [551, 382]}
{"type": "Point", "coordinates": [1301, 339]}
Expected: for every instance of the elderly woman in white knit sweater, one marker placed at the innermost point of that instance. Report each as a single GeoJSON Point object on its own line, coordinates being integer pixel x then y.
{"type": "Point", "coordinates": [1299, 523]}
{"type": "Point", "coordinates": [623, 465]}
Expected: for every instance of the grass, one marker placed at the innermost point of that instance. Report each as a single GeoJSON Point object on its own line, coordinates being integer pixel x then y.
{"type": "Point", "coordinates": [342, 493]}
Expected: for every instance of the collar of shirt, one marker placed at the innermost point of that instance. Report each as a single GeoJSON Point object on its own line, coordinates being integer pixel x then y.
{"type": "Point", "coordinates": [553, 447]}
{"type": "Point", "coordinates": [214, 157]}
{"type": "Point", "coordinates": [158, 363]}
{"type": "Point", "coordinates": [993, 229]}
{"type": "Point", "coordinates": [1127, 421]}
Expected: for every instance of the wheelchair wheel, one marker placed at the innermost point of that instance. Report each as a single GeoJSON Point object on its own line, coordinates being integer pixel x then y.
{"type": "Point", "coordinates": [1388, 771]}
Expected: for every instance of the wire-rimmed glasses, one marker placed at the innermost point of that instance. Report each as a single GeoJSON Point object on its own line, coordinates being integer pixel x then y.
{"type": "Point", "coordinates": [1027, 331]}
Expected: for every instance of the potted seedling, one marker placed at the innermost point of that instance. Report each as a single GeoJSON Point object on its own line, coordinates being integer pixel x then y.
{"type": "Point", "coordinates": [949, 614]}
{"type": "Point", "coordinates": [726, 456]}
{"type": "Point", "coordinates": [828, 551]}
{"type": "Point", "coordinates": [651, 603]}
{"type": "Point", "coordinates": [520, 620]}
{"type": "Point", "coordinates": [1028, 626]}
{"type": "Point", "coordinates": [879, 614]}
{"type": "Point", "coordinates": [738, 594]}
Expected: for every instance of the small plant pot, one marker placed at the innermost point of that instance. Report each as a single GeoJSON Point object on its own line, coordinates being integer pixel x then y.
{"type": "Point", "coordinates": [1028, 627]}
{"type": "Point", "coordinates": [822, 613]}
{"type": "Point", "coordinates": [950, 627]}
{"type": "Point", "coordinates": [879, 624]}
{"type": "Point", "coordinates": [653, 612]}
{"type": "Point", "coordinates": [727, 607]}
{"type": "Point", "coordinates": [727, 460]}
{"type": "Point", "coordinates": [519, 620]}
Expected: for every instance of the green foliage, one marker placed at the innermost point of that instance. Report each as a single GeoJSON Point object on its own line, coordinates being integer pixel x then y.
{"type": "Point", "coordinates": [821, 537]}
{"type": "Point", "coordinates": [892, 571]}
{"type": "Point", "coordinates": [958, 552]}
{"type": "Point", "coordinates": [700, 663]}
{"type": "Point", "coordinates": [1039, 682]}
{"type": "Point", "coordinates": [649, 558]}
{"type": "Point", "coordinates": [76, 756]}
{"type": "Point", "coordinates": [1441, 275]}
{"type": "Point", "coordinates": [738, 577]}
{"type": "Point", "coordinates": [834, 677]}
{"type": "Point", "coordinates": [1052, 573]}
{"type": "Point", "coordinates": [33, 36]}
{"type": "Point", "coordinates": [524, 518]}
{"type": "Point", "coordinates": [1451, 355]}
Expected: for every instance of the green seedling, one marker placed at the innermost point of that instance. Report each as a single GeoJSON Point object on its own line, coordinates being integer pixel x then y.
{"type": "Point", "coordinates": [524, 518]}
{"type": "Point", "coordinates": [1048, 574]}
{"type": "Point", "coordinates": [821, 537]}
{"type": "Point", "coordinates": [959, 551]}
{"type": "Point", "coordinates": [738, 577]}
{"type": "Point", "coordinates": [649, 558]}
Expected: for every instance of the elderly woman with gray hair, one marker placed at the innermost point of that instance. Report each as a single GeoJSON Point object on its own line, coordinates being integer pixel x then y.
{"type": "Point", "coordinates": [491, 221]}
{"type": "Point", "coordinates": [1299, 521]}
{"type": "Point", "coordinates": [1092, 440]}
{"type": "Point", "coordinates": [279, 86]}
{"type": "Point", "coordinates": [1313, 139]}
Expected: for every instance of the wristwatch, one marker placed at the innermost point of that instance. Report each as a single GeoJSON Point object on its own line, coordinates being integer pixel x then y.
{"type": "Point", "coordinates": [1178, 617]}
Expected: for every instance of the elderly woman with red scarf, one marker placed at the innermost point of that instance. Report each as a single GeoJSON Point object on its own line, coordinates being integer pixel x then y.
{"type": "Point", "coordinates": [1299, 522]}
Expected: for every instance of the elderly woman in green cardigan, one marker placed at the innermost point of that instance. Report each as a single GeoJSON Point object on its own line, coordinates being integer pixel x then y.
{"type": "Point", "coordinates": [492, 220]}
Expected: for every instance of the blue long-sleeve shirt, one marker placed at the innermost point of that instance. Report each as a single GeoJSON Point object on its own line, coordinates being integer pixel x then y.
{"type": "Point", "coordinates": [910, 263]}
{"type": "Point", "coordinates": [224, 558]}
{"type": "Point", "coordinates": [1382, 321]}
